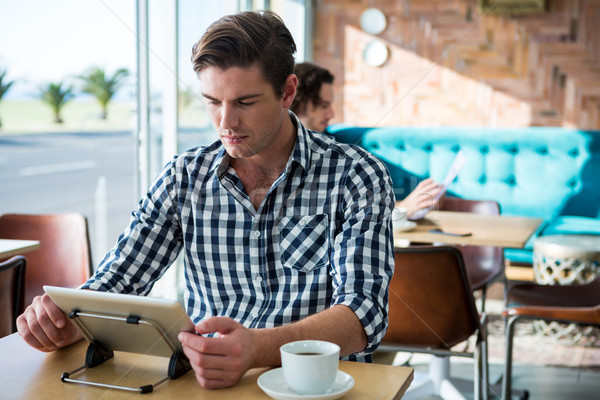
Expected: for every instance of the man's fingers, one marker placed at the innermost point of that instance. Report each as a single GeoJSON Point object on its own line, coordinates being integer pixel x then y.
{"type": "Point", "coordinates": [425, 203]}
{"type": "Point", "coordinates": [37, 331]}
{"type": "Point", "coordinates": [44, 326]}
{"type": "Point", "coordinates": [218, 361]}
{"type": "Point", "coordinates": [431, 189]}
{"type": "Point", "coordinates": [218, 346]}
{"type": "Point", "coordinates": [54, 313]}
{"type": "Point", "coordinates": [427, 185]}
{"type": "Point", "coordinates": [213, 371]}
{"type": "Point", "coordinates": [216, 325]}
{"type": "Point", "coordinates": [206, 360]}
{"type": "Point", "coordinates": [46, 311]}
{"type": "Point", "coordinates": [216, 374]}
{"type": "Point", "coordinates": [216, 378]}
{"type": "Point", "coordinates": [26, 334]}
{"type": "Point", "coordinates": [213, 383]}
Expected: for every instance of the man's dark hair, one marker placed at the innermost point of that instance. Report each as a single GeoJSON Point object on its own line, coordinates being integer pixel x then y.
{"type": "Point", "coordinates": [310, 79]}
{"type": "Point", "coordinates": [243, 39]}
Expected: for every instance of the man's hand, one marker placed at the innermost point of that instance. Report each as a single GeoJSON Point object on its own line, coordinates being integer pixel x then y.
{"type": "Point", "coordinates": [222, 360]}
{"type": "Point", "coordinates": [45, 327]}
{"type": "Point", "coordinates": [422, 197]}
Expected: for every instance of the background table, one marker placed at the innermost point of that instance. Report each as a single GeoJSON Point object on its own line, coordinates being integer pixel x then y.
{"type": "Point", "coordinates": [486, 230]}
{"type": "Point", "coordinates": [26, 373]}
{"type": "Point", "coordinates": [10, 247]}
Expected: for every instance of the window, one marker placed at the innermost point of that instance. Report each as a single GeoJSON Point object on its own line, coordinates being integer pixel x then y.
{"type": "Point", "coordinates": [171, 114]}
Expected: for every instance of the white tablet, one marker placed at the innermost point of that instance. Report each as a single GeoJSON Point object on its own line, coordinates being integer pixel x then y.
{"type": "Point", "coordinates": [103, 316]}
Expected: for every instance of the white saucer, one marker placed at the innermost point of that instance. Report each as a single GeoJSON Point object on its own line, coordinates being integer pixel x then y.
{"type": "Point", "coordinates": [273, 384]}
{"type": "Point", "coordinates": [404, 226]}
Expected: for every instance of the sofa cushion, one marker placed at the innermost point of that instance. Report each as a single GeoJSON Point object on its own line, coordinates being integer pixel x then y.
{"type": "Point", "coordinates": [567, 225]}
{"type": "Point", "coordinates": [538, 172]}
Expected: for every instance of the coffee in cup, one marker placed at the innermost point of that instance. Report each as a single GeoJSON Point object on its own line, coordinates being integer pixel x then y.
{"type": "Point", "coordinates": [310, 366]}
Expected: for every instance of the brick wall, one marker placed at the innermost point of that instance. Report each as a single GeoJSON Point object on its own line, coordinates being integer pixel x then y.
{"type": "Point", "coordinates": [450, 65]}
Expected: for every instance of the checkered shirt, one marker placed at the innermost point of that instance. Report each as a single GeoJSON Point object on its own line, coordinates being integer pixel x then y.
{"type": "Point", "coordinates": [322, 236]}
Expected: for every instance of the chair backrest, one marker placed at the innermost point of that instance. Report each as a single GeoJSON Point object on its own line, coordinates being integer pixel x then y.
{"type": "Point", "coordinates": [484, 263]}
{"type": "Point", "coordinates": [431, 303]}
{"type": "Point", "coordinates": [64, 257]}
{"type": "Point", "coordinates": [485, 207]}
{"type": "Point", "coordinates": [12, 291]}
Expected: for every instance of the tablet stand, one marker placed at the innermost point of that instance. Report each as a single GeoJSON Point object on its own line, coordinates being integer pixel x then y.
{"type": "Point", "coordinates": [96, 354]}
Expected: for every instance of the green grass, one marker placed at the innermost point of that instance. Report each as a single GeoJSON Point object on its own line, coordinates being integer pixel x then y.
{"type": "Point", "coordinates": [33, 116]}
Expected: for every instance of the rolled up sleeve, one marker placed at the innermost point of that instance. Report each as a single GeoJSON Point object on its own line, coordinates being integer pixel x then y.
{"type": "Point", "coordinates": [363, 259]}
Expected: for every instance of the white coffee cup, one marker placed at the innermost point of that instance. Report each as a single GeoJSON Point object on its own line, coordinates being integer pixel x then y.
{"type": "Point", "coordinates": [399, 217]}
{"type": "Point", "coordinates": [310, 366]}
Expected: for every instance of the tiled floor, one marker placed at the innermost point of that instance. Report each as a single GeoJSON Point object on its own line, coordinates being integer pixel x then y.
{"type": "Point", "coordinates": [543, 383]}
{"type": "Point", "coordinates": [550, 383]}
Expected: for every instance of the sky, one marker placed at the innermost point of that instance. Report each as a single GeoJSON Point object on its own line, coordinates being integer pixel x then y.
{"type": "Point", "coordinates": [44, 41]}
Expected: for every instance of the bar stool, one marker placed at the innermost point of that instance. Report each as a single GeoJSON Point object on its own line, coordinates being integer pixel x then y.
{"type": "Point", "coordinates": [566, 260]}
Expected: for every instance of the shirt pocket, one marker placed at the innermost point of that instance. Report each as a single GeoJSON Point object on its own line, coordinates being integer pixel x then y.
{"type": "Point", "coordinates": [304, 242]}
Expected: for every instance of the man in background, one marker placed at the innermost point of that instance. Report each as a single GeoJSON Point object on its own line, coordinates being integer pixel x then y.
{"type": "Point", "coordinates": [313, 105]}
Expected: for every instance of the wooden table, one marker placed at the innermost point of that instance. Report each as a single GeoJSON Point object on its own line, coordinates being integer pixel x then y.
{"type": "Point", "coordinates": [10, 247]}
{"type": "Point", "coordinates": [26, 373]}
{"type": "Point", "coordinates": [486, 230]}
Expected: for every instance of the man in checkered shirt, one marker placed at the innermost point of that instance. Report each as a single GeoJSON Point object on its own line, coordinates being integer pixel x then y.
{"type": "Point", "coordinates": [286, 234]}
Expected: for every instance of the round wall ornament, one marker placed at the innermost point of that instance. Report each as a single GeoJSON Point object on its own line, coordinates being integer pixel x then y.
{"type": "Point", "coordinates": [375, 53]}
{"type": "Point", "coordinates": [373, 21]}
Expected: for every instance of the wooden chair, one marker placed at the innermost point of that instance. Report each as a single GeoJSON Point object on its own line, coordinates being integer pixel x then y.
{"type": "Point", "coordinates": [64, 257]}
{"type": "Point", "coordinates": [12, 291]}
{"type": "Point", "coordinates": [573, 304]}
{"type": "Point", "coordinates": [485, 264]}
{"type": "Point", "coordinates": [431, 309]}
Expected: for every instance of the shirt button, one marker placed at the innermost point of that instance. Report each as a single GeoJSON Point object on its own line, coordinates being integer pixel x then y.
{"type": "Point", "coordinates": [256, 234]}
{"type": "Point", "coordinates": [302, 222]}
{"type": "Point", "coordinates": [255, 314]}
{"type": "Point", "coordinates": [259, 279]}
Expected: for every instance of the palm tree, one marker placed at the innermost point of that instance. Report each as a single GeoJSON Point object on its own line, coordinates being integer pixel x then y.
{"type": "Point", "coordinates": [103, 88]}
{"type": "Point", "coordinates": [56, 97]}
{"type": "Point", "coordinates": [4, 86]}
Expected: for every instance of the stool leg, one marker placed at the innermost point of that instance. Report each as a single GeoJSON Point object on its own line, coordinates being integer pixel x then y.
{"type": "Point", "coordinates": [483, 295]}
{"type": "Point", "coordinates": [485, 372]}
{"type": "Point", "coordinates": [439, 371]}
{"type": "Point", "coordinates": [506, 386]}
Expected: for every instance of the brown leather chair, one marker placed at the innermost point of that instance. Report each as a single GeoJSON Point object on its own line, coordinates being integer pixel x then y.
{"type": "Point", "coordinates": [12, 291]}
{"type": "Point", "coordinates": [573, 304]}
{"type": "Point", "coordinates": [64, 257]}
{"type": "Point", "coordinates": [485, 264]}
{"type": "Point", "coordinates": [432, 309]}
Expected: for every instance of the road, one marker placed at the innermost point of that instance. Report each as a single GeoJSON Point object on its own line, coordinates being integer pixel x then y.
{"type": "Point", "coordinates": [51, 173]}
{"type": "Point", "coordinates": [58, 173]}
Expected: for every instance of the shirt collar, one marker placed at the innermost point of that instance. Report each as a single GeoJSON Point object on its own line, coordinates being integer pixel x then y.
{"type": "Point", "coordinates": [221, 162]}
{"type": "Point", "coordinates": [301, 153]}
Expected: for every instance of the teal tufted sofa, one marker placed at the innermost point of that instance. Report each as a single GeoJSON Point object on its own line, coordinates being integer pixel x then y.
{"type": "Point", "coordinates": [545, 172]}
